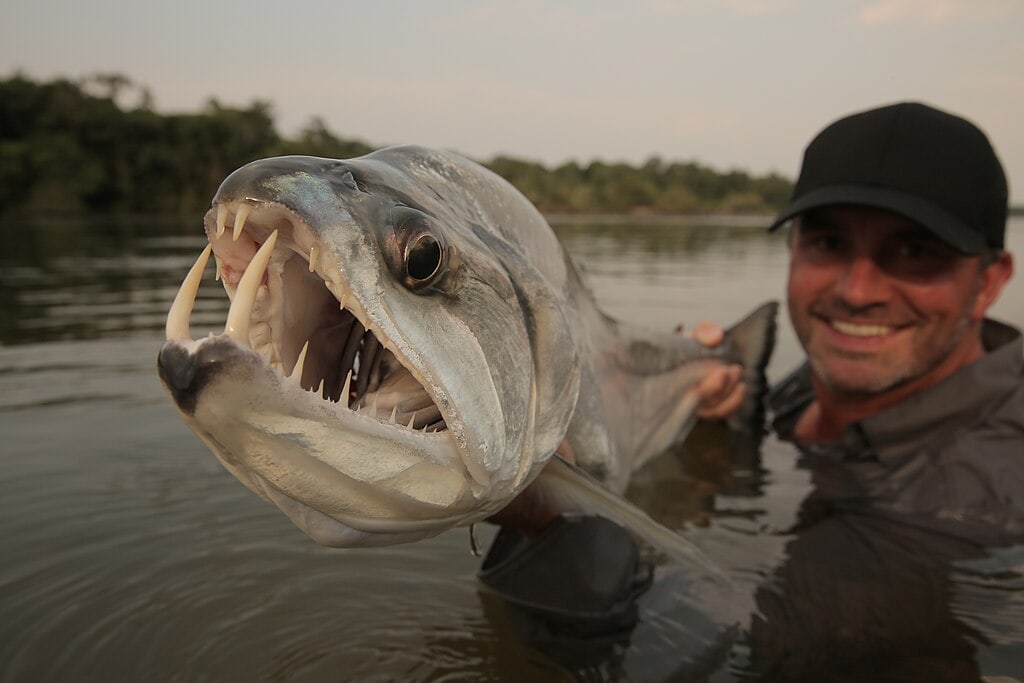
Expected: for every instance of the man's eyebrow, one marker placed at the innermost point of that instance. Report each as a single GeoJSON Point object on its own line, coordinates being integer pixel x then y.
{"type": "Point", "coordinates": [810, 222]}
{"type": "Point", "coordinates": [917, 234]}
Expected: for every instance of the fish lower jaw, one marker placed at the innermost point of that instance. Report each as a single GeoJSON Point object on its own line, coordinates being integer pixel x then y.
{"type": "Point", "coordinates": [261, 401]}
{"type": "Point", "coordinates": [333, 533]}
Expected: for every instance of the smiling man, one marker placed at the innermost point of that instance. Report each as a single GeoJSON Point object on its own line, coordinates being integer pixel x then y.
{"type": "Point", "coordinates": [912, 397]}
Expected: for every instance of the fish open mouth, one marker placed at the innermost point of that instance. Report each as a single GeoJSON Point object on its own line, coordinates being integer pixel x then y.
{"type": "Point", "coordinates": [291, 305]}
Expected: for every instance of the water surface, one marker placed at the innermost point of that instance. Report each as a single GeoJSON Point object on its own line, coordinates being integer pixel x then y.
{"type": "Point", "coordinates": [131, 555]}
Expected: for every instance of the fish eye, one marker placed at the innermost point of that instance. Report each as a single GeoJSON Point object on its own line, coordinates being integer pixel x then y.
{"type": "Point", "coordinates": [423, 258]}
{"type": "Point", "coordinates": [415, 253]}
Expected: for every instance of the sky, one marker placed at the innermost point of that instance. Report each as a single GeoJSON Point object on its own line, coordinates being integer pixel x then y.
{"type": "Point", "coordinates": [738, 84]}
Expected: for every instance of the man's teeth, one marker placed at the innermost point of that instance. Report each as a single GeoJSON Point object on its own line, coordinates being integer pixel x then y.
{"type": "Point", "coordinates": [856, 330]}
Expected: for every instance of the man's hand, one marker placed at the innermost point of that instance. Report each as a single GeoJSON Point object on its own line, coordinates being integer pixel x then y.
{"type": "Point", "coordinates": [722, 390]}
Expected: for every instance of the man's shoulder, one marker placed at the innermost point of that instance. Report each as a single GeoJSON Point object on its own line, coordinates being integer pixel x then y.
{"type": "Point", "coordinates": [1001, 371]}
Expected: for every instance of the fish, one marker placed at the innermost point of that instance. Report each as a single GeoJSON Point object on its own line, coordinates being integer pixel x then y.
{"type": "Point", "coordinates": [408, 346]}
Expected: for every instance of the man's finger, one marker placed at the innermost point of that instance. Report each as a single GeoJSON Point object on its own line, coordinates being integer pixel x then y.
{"type": "Point", "coordinates": [708, 333]}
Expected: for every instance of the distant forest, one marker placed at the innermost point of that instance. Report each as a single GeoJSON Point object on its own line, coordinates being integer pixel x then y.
{"type": "Point", "coordinates": [96, 145]}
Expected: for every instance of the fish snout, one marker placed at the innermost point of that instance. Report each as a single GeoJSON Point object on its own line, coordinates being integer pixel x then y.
{"type": "Point", "coordinates": [185, 372]}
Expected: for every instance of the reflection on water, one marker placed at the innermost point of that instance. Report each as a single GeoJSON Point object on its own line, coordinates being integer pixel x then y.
{"type": "Point", "coordinates": [129, 554]}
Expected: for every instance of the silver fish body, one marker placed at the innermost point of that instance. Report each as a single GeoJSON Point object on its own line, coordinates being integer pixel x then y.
{"type": "Point", "coordinates": [408, 344]}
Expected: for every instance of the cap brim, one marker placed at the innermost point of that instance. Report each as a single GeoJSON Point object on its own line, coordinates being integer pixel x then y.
{"type": "Point", "coordinates": [932, 218]}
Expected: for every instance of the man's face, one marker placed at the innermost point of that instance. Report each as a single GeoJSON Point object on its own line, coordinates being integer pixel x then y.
{"type": "Point", "coordinates": [877, 302]}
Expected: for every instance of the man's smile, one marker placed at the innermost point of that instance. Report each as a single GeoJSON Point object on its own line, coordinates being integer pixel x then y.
{"type": "Point", "coordinates": [861, 329]}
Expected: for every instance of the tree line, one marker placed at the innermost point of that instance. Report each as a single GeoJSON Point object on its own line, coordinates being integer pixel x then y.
{"type": "Point", "coordinates": [96, 145]}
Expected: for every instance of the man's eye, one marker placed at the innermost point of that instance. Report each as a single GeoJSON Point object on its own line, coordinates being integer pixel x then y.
{"type": "Point", "coordinates": [918, 260]}
{"type": "Point", "coordinates": [827, 243]}
{"type": "Point", "coordinates": [918, 251]}
{"type": "Point", "coordinates": [822, 243]}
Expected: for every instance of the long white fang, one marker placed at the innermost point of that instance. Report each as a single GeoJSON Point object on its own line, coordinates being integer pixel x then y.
{"type": "Point", "coordinates": [243, 213]}
{"type": "Point", "coordinates": [181, 310]}
{"type": "Point", "coordinates": [222, 219]}
{"type": "Point", "coordinates": [237, 326]}
{"type": "Point", "coordinates": [394, 413]}
{"type": "Point", "coordinates": [312, 258]}
{"type": "Point", "coordinates": [216, 274]}
{"type": "Point", "coordinates": [300, 363]}
{"type": "Point", "coordinates": [345, 389]}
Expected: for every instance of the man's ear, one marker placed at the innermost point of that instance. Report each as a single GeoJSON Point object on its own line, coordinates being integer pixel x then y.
{"type": "Point", "coordinates": [993, 278]}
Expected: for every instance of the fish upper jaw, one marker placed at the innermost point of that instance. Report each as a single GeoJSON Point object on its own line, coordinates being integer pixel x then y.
{"type": "Point", "coordinates": [274, 396]}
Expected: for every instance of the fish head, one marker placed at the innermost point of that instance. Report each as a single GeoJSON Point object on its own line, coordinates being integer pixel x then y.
{"type": "Point", "coordinates": [392, 365]}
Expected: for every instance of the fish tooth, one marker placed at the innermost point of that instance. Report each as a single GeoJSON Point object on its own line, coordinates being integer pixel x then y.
{"type": "Point", "coordinates": [237, 326]}
{"type": "Point", "coordinates": [430, 415]}
{"type": "Point", "coordinates": [181, 310]}
{"type": "Point", "coordinates": [371, 347]}
{"type": "Point", "coordinates": [394, 414]}
{"type": "Point", "coordinates": [346, 389]}
{"type": "Point", "coordinates": [222, 219]}
{"type": "Point", "coordinates": [243, 213]}
{"type": "Point", "coordinates": [412, 420]}
{"type": "Point", "coordinates": [312, 258]}
{"type": "Point", "coordinates": [216, 274]}
{"type": "Point", "coordinates": [320, 389]}
{"type": "Point", "coordinates": [348, 354]}
{"type": "Point", "coordinates": [300, 363]}
{"type": "Point", "coordinates": [341, 300]}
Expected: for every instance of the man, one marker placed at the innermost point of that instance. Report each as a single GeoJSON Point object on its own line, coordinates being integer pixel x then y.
{"type": "Point", "coordinates": [897, 253]}
{"type": "Point", "coordinates": [909, 411]}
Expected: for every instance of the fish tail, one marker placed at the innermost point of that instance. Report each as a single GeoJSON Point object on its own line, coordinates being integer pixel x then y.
{"type": "Point", "coordinates": [750, 343]}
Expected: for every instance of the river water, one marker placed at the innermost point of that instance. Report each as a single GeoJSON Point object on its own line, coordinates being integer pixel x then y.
{"type": "Point", "coordinates": [129, 554]}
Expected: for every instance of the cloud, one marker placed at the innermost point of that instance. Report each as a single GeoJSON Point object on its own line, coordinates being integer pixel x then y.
{"type": "Point", "coordinates": [933, 12]}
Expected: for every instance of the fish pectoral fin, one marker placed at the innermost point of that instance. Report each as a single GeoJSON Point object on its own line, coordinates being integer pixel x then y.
{"type": "Point", "coordinates": [564, 487]}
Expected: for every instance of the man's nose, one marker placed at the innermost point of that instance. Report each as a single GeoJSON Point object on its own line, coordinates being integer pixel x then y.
{"type": "Point", "coordinates": [863, 283]}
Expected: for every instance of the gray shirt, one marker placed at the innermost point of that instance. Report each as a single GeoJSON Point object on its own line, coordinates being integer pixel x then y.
{"type": "Point", "coordinates": [949, 458]}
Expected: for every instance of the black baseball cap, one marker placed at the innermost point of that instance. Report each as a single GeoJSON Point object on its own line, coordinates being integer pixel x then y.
{"type": "Point", "coordinates": [932, 167]}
